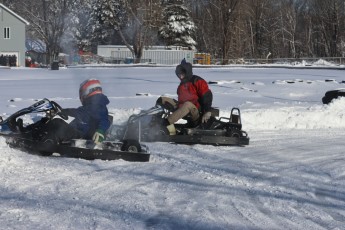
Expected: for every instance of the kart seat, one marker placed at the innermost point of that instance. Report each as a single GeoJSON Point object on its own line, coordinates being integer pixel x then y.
{"type": "Point", "coordinates": [214, 112]}
{"type": "Point", "coordinates": [235, 118]}
{"type": "Point", "coordinates": [110, 118]}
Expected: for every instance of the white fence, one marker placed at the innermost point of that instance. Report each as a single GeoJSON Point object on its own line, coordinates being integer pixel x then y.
{"type": "Point", "coordinates": [116, 54]}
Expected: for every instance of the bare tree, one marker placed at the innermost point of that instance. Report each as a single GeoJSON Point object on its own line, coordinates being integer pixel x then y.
{"type": "Point", "coordinates": [304, 30]}
{"type": "Point", "coordinates": [133, 20]}
{"type": "Point", "coordinates": [259, 25]}
{"type": "Point", "coordinates": [144, 18]}
{"type": "Point", "coordinates": [326, 16]}
{"type": "Point", "coordinates": [216, 21]}
{"type": "Point", "coordinates": [288, 26]}
{"type": "Point", "coordinates": [8, 3]}
{"type": "Point", "coordinates": [48, 22]}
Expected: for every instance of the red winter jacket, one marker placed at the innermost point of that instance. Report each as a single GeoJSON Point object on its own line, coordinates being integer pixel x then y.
{"type": "Point", "coordinates": [195, 90]}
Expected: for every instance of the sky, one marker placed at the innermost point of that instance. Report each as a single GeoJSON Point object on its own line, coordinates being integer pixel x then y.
{"type": "Point", "coordinates": [290, 176]}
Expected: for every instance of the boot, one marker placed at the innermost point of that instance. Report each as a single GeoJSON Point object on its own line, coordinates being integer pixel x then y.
{"type": "Point", "coordinates": [171, 129]}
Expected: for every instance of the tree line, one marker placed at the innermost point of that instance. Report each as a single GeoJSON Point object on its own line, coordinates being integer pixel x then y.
{"type": "Point", "coordinates": [227, 29]}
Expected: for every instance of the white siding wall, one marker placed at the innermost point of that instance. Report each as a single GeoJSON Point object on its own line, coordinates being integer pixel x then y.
{"type": "Point", "coordinates": [15, 44]}
{"type": "Point", "coordinates": [169, 57]}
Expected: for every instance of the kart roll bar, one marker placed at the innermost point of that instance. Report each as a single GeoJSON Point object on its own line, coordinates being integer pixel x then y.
{"type": "Point", "coordinates": [133, 118]}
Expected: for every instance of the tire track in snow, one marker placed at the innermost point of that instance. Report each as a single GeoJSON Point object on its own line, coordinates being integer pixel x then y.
{"type": "Point", "coordinates": [268, 183]}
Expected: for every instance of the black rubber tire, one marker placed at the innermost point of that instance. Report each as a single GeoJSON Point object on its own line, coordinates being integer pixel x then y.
{"type": "Point", "coordinates": [332, 94]}
{"type": "Point", "coordinates": [131, 146]}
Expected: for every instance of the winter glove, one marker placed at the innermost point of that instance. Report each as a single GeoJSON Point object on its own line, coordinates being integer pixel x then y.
{"type": "Point", "coordinates": [206, 117]}
{"type": "Point", "coordinates": [98, 137]}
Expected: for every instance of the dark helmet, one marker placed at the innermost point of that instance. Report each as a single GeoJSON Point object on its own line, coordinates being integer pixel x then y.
{"type": "Point", "coordinates": [180, 70]}
{"type": "Point", "coordinates": [184, 68]}
{"type": "Point", "coordinates": [89, 88]}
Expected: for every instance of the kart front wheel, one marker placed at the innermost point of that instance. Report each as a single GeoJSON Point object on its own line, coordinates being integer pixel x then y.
{"type": "Point", "coordinates": [131, 146]}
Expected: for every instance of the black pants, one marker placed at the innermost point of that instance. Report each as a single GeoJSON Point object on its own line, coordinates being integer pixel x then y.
{"type": "Point", "coordinates": [57, 130]}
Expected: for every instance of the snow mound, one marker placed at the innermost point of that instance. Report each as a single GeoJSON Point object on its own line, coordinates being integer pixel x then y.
{"type": "Point", "coordinates": [321, 62]}
{"type": "Point", "coordinates": [314, 117]}
{"type": "Point", "coordinates": [2, 143]}
{"type": "Point", "coordinates": [120, 116]}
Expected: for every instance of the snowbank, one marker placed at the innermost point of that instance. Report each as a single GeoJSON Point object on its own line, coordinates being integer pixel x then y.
{"type": "Point", "coordinates": [290, 176]}
{"type": "Point", "coordinates": [313, 117]}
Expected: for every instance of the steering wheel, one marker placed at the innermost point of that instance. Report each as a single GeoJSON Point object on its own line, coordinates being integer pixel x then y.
{"type": "Point", "coordinates": [58, 110]}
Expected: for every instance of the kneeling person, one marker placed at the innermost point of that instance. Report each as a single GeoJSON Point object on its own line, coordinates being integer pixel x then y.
{"type": "Point", "coordinates": [194, 98]}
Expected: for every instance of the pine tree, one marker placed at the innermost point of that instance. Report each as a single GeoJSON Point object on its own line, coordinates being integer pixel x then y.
{"type": "Point", "coordinates": [178, 26]}
{"type": "Point", "coordinates": [108, 15]}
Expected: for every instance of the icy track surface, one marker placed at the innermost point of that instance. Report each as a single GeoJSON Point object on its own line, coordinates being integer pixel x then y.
{"type": "Point", "coordinates": [291, 176]}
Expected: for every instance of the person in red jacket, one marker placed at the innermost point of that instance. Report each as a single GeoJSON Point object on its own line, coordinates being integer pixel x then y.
{"type": "Point", "coordinates": [194, 98]}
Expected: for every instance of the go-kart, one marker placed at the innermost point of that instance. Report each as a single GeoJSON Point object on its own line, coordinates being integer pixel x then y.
{"type": "Point", "coordinates": [333, 94]}
{"type": "Point", "coordinates": [30, 138]}
{"type": "Point", "coordinates": [148, 126]}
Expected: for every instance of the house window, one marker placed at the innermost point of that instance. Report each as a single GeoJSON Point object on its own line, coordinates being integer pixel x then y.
{"type": "Point", "coordinates": [7, 32]}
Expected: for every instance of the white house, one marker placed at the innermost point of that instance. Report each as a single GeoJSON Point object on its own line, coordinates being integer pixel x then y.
{"type": "Point", "coordinates": [12, 35]}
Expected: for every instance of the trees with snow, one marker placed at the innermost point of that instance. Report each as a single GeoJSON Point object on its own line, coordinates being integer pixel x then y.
{"type": "Point", "coordinates": [108, 15]}
{"type": "Point", "coordinates": [133, 20]}
{"type": "Point", "coordinates": [178, 27]}
{"type": "Point", "coordinates": [227, 29]}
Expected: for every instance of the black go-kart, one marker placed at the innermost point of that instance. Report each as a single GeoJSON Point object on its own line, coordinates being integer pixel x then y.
{"type": "Point", "coordinates": [333, 94]}
{"type": "Point", "coordinates": [148, 126]}
{"type": "Point", "coordinates": [30, 138]}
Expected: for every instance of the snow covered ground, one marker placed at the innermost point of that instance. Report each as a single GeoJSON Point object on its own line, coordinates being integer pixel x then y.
{"type": "Point", "coordinates": [291, 176]}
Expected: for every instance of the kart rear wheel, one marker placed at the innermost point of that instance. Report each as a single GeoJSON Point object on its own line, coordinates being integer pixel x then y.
{"type": "Point", "coordinates": [131, 146]}
{"type": "Point", "coordinates": [233, 133]}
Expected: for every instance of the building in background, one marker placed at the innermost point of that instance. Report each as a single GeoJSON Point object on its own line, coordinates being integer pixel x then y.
{"type": "Point", "coordinates": [12, 38]}
{"type": "Point", "coordinates": [171, 55]}
{"type": "Point", "coordinates": [202, 58]}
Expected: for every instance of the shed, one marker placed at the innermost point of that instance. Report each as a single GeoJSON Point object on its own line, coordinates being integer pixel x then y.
{"type": "Point", "coordinates": [153, 54]}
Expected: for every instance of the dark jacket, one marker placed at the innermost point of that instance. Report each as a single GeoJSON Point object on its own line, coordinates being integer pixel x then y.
{"type": "Point", "coordinates": [194, 89]}
{"type": "Point", "coordinates": [91, 116]}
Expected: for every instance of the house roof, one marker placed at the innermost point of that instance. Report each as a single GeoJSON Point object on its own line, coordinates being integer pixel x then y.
{"type": "Point", "coordinates": [14, 14]}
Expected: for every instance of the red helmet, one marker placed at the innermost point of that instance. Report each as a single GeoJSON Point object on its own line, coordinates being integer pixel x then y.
{"type": "Point", "coordinates": [89, 88]}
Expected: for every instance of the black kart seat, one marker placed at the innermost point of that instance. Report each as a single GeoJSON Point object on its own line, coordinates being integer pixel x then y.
{"type": "Point", "coordinates": [214, 112]}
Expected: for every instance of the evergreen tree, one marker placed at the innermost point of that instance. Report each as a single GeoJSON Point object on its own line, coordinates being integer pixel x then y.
{"type": "Point", "coordinates": [108, 15]}
{"type": "Point", "coordinates": [178, 27]}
